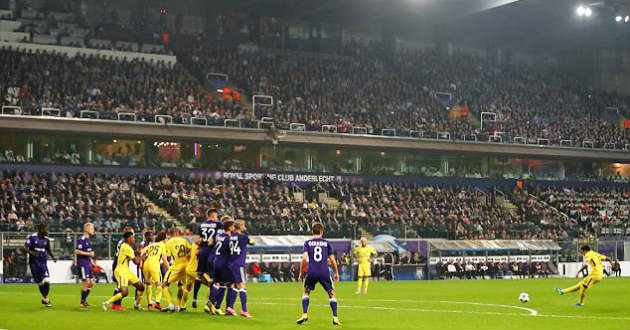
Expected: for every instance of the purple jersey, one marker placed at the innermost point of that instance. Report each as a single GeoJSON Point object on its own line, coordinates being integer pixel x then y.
{"type": "Point", "coordinates": [39, 244]}
{"type": "Point", "coordinates": [221, 249]}
{"type": "Point", "coordinates": [238, 249]}
{"type": "Point", "coordinates": [207, 231]}
{"type": "Point", "coordinates": [318, 250]}
{"type": "Point", "coordinates": [118, 245]}
{"type": "Point", "coordinates": [84, 244]}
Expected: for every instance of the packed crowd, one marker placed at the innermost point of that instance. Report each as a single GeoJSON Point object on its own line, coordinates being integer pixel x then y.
{"type": "Point", "coordinates": [275, 208]}
{"type": "Point", "coordinates": [600, 211]}
{"type": "Point", "coordinates": [422, 91]}
{"type": "Point", "coordinates": [37, 80]}
{"type": "Point", "coordinates": [399, 209]}
{"type": "Point", "coordinates": [492, 270]}
{"type": "Point", "coordinates": [269, 206]}
{"type": "Point", "coordinates": [417, 93]}
{"type": "Point", "coordinates": [360, 90]}
{"type": "Point", "coordinates": [67, 201]}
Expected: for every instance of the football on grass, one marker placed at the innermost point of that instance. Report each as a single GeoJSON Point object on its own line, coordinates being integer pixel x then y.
{"type": "Point", "coordinates": [523, 297]}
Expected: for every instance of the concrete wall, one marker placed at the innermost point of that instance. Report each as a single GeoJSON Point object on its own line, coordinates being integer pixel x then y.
{"type": "Point", "coordinates": [195, 133]}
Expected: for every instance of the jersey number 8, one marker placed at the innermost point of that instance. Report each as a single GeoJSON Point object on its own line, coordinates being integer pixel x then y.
{"type": "Point", "coordinates": [317, 253]}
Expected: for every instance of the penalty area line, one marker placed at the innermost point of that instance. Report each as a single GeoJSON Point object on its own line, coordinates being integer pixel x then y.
{"type": "Point", "coordinates": [427, 310]}
{"type": "Point", "coordinates": [531, 312]}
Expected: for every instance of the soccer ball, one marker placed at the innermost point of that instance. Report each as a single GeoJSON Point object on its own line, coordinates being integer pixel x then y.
{"type": "Point", "coordinates": [523, 297]}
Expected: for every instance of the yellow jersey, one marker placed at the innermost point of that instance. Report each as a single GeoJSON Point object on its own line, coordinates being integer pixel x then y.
{"type": "Point", "coordinates": [178, 249]}
{"type": "Point", "coordinates": [364, 254]}
{"type": "Point", "coordinates": [194, 260]}
{"type": "Point", "coordinates": [124, 255]}
{"type": "Point", "coordinates": [154, 253]}
{"type": "Point", "coordinates": [594, 260]}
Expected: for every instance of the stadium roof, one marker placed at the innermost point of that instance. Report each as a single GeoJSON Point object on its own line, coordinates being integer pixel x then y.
{"type": "Point", "coordinates": [517, 23]}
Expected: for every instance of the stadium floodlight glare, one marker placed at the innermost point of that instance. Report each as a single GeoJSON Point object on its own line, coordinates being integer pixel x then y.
{"type": "Point", "coordinates": [618, 18]}
{"type": "Point", "coordinates": [584, 11]}
{"type": "Point", "coordinates": [580, 10]}
{"type": "Point", "coordinates": [627, 19]}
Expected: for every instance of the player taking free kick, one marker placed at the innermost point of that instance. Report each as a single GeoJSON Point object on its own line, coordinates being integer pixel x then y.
{"type": "Point", "coordinates": [593, 259]}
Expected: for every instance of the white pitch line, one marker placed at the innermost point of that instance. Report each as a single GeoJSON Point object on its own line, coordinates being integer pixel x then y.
{"type": "Point", "coordinates": [255, 300]}
{"type": "Point", "coordinates": [532, 312]}
{"type": "Point", "coordinates": [454, 311]}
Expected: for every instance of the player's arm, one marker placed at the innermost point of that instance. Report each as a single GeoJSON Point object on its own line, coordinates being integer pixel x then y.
{"type": "Point", "coordinates": [137, 259]}
{"type": "Point", "coordinates": [333, 264]}
{"type": "Point", "coordinates": [49, 252]}
{"type": "Point", "coordinates": [303, 264]}
{"type": "Point", "coordinates": [577, 275]}
{"type": "Point", "coordinates": [83, 253]}
{"type": "Point", "coordinates": [27, 249]}
{"type": "Point", "coordinates": [605, 258]}
{"type": "Point", "coordinates": [197, 237]}
{"type": "Point", "coordinates": [165, 260]}
{"type": "Point", "coordinates": [372, 254]}
{"type": "Point", "coordinates": [52, 256]}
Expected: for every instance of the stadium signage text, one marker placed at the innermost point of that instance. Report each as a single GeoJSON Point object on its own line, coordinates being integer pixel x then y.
{"type": "Point", "coordinates": [520, 258]}
{"type": "Point", "coordinates": [288, 177]}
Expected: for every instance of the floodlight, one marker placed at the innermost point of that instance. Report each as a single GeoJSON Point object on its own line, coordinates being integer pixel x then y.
{"type": "Point", "coordinates": [580, 10]}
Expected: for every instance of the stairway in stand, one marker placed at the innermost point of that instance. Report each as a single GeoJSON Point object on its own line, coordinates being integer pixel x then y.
{"type": "Point", "coordinates": [155, 209]}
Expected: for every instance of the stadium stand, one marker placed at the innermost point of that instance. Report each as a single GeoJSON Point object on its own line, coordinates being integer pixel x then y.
{"type": "Point", "coordinates": [365, 90]}
{"type": "Point", "coordinates": [66, 202]}
{"type": "Point", "coordinates": [347, 210]}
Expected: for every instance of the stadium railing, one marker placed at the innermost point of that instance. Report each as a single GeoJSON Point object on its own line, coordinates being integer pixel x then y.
{"type": "Point", "coordinates": [232, 123]}
{"type": "Point", "coordinates": [444, 136]}
{"type": "Point", "coordinates": [329, 129]}
{"type": "Point", "coordinates": [164, 119]}
{"type": "Point", "coordinates": [267, 122]}
{"type": "Point", "coordinates": [199, 121]}
{"type": "Point", "coordinates": [128, 116]}
{"type": "Point", "coordinates": [51, 112]}
{"type": "Point", "coordinates": [297, 127]}
{"type": "Point", "coordinates": [520, 140]}
{"type": "Point", "coordinates": [89, 114]}
{"type": "Point", "coordinates": [388, 132]}
{"type": "Point", "coordinates": [14, 110]}
{"type": "Point", "coordinates": [359, 130]}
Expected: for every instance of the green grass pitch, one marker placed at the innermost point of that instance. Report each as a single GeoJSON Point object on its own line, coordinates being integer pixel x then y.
{"type": "Point", "coordinates": [490, 304]}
